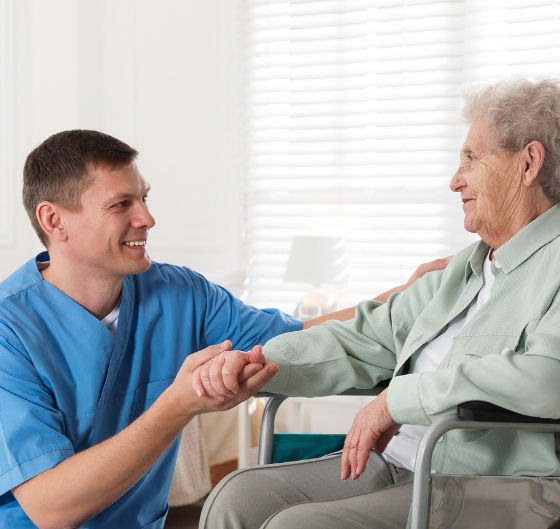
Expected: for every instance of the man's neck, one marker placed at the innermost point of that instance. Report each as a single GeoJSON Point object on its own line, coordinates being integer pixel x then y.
{"type": "Point", "coordinates": [99, 297]}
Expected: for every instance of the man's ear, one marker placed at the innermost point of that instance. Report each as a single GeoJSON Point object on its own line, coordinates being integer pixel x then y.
{"type": "Point", "coordinates": [48, 215]}
{"type": "Point", "coordinates": [533, 158]}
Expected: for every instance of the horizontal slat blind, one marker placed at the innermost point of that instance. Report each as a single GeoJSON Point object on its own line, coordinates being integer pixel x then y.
{"type": "Point", "coordinates": [352, 125]}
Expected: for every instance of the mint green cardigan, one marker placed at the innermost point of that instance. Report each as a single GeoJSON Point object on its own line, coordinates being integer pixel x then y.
{"type": "Point", "coordinates": [507, 354]}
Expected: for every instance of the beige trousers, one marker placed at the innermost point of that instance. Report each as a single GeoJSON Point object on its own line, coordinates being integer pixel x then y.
{"type": "Point", "coordinates": [310, 495]}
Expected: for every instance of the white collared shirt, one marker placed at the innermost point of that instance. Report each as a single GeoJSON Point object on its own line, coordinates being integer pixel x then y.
{"type": "Point", "coordinates": [401, 450]}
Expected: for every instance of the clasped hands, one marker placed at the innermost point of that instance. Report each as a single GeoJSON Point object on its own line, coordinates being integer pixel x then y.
{"type": "Point", "coordinates": [225, 375]}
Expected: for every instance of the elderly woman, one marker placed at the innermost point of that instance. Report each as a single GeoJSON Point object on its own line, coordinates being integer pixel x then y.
{"type": "Point", "coordinates": [485, 328]}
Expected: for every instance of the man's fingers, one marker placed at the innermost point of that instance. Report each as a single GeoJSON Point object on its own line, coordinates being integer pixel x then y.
{"type": "Point", "coordinates": [439, 264]}
{"type": "Point", "coordinates": [201, 357]}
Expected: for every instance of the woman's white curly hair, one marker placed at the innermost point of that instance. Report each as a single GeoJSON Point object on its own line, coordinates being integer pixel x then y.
{"type": "Point", "coordinates": [519, 112]}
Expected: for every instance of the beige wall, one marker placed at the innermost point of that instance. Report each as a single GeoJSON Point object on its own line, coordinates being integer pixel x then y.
{"type": "Point", "coordinates": [164, 76]}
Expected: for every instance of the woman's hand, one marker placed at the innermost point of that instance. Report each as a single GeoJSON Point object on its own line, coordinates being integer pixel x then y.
{"type": "Point", "coordinates": [373, 427]}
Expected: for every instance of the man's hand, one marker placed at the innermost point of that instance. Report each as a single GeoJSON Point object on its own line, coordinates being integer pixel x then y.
{"type": "Point", "coordinates": [373, 427]}
{"type": "Point", "coordinates": [220, 377]}
{"type": "Point", "coordinates": [349, 313]}
{"type": "Point", "coordinates": [217, 378]}
{"type": "Point", "coordinates": [436, 264]}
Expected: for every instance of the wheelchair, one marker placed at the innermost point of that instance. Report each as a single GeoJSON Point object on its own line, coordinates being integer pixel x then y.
{"type": "Point", "coordinates": [462, 501]}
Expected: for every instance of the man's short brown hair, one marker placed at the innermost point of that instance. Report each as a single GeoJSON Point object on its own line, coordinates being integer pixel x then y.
{"type": "Point", "coordinates": [57, 170]}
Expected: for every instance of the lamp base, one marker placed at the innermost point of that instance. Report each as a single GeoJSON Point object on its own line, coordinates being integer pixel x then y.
{"type": "Point", "coordinates": [315, 304]}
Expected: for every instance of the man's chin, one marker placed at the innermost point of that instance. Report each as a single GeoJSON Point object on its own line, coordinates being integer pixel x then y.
{"type": "Point", "coordinates": [140, 266]}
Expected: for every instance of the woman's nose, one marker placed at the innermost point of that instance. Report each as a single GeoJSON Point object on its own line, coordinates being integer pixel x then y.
{"type": "Point", "coordinates": [457, 181]}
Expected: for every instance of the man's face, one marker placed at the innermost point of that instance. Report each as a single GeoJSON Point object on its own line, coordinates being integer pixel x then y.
{"type": "Point", "coordinates": [108, 235]}
{"type": "Point", "coordinates": [487, 179]}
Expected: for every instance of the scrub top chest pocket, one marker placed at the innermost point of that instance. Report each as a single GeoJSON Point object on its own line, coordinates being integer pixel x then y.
{"type": "Point", "coordinates": [146, 394]}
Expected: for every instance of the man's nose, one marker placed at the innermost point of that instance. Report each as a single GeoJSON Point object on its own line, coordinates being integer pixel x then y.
{"type": "Point", "coordinates": [143, 217]}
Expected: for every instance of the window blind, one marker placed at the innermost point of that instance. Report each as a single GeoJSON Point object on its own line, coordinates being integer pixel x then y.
{"type": "Point", "coordinates": [352, 125]}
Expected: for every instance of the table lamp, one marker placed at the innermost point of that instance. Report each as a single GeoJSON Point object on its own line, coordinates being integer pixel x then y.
{"type": "Point", "coordinates": [319, 261]}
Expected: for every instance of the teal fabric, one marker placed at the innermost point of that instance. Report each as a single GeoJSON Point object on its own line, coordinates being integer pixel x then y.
{"type": "Point", "coordinates": [507, 354]}
{"type": "Point", "coordinates": [296, 446]}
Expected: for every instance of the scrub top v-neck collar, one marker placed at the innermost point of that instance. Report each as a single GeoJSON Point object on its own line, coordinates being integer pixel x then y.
{"type": "Point", "coordinates": [114, 347]}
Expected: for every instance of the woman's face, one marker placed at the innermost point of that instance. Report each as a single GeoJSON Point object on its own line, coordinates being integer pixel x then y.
{"type": "Point", "coordinates": [489, 179]}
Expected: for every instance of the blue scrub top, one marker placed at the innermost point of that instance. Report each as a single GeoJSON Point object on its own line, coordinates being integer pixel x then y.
{"type": "Point", "coordinates": [66, 384]}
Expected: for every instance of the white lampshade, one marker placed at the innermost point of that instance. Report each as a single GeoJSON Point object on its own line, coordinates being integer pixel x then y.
{"type": "Point", "coordinates": [317, 260]}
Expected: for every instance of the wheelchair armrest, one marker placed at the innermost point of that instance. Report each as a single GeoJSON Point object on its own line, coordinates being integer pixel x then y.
{"type": "Point", "coordinates": [470, 416]}
{"type": "Point", "coordinates": [376, 390]}
{"type": "Point", "coordinates": [477, 410]}
{"type": "Point", "coordinates": [274, 401]}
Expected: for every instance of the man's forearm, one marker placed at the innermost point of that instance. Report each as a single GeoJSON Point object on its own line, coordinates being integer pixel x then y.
{"type": "Point", "coordinates": [85, 484]}
{"type": "Point", "coordinates": [341, 315]}
{"type": "Point", "coordinates": [348, 314]}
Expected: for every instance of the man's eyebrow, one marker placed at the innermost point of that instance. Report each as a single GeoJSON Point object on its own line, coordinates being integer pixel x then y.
{"type": "Point", "coordinates": [116, 198]}
{"type": "Point", "coordinates": [123, 196]}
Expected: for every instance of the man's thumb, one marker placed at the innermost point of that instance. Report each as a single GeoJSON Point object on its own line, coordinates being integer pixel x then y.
{"type": "Point", "coordinates": [201, 357]}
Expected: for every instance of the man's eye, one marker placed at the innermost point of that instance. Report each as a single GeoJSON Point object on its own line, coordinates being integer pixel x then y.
{"type": "Point", "coordinates": [145, 198]}
{"type": "Point", "coordinates": [120, 204]}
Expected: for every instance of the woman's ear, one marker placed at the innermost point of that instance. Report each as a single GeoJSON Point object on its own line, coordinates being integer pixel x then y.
{"type": "Point", "coordinates": [48, 215]}
{"type": "Point", "coordinates": [533, 154]}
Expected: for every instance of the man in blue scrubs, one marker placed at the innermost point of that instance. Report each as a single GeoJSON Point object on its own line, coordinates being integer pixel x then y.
{"type": "Point", "coordinates": [98, 365]}
{"type": "Point", "coordinates": [94, 385]}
